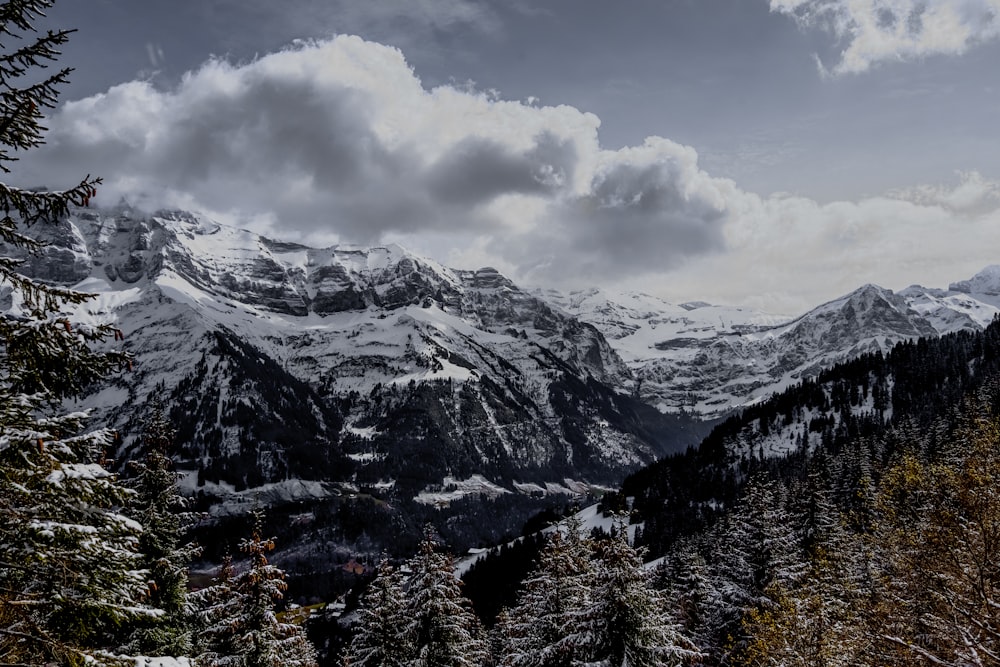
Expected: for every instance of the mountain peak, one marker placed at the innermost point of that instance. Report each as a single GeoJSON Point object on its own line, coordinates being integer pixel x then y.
{"type": "Point", "coordinates": [872, 288]}
{"type": "Point", "coordinates": [986, 282]}
{"type": "Point", "coordinates": [872, 309]}
{"type": "Point", "coordinates": [869, 294]}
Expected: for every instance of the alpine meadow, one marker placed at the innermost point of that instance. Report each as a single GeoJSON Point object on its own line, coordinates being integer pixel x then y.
{"type": "Point", "coordinates": [398, 335]}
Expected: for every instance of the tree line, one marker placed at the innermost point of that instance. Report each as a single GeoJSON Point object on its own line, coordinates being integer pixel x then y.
{"type": "Point", "coordinates": [585, 602]}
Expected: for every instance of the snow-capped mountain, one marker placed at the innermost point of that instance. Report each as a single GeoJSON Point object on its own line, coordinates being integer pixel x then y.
{"type": "Point", "coordinates": [709, 360]}
{"type": "Point", "coordinates": [370, 365]}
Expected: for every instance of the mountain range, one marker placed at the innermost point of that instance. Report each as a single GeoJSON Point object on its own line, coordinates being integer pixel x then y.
{"type": "Point", "coordinates": [295, 372]}
{"type": "Point", "coordinates": [710, 360]}
{"type": "Point", "coordinates": [369, 367]}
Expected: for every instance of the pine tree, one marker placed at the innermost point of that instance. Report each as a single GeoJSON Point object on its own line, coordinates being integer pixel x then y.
{"type": "Point", "coordinates": [158, 506]}
{"type": "Point", "coordinates": [630, 622]}
{"type": "Point", "coordinates": [756, 551]}
{"type": "Point", "coordinates": [444, 630]}
{"type": "Point", "coordinates": [267, 641]}
{"type": "Point", "coordinates": [68, 567]}
{"type": "Point", "coordinates": [381, 639]}
{"type": "Point", "coordinates": [498, 638]}
{"type": "Point", "coordinates": [240, 627]}
{"type": "Point", "coordinates": [68, 563]}
{"type": "Point", "coordinates": [685, 577]}
{"type": "Point", "coordinates": [215, 623]}
{"type": "Point", "coordinates": [543, 629]}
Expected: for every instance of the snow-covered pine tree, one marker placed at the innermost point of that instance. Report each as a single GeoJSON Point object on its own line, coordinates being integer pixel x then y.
{"type": "Point", "coordinates": [629, 618]}
{"type": "Point", "coordinates": [381, 639]}
{"type": "Point", "coordinates": [756, 548]}
{"type": "Point", "coordinates": [827, 628]}
{"type": "Point", "coordinates": [267, 641]}
{"type": "Point", "coordinates": [159, 507]}
{"type": "Point", "coordinates": [444, 629]}
{"type": "Point", "coordinates": [543, 629]}
{"type": "Point", "coordinates": [68, 566]}
{"type": "Point", "coordinates": [214, 619]}
{"type": "Point", "coordinates": [498, 639]}
{"type": "Point", "coordinates": [684, 576]}
{"type": "Point", "coordinates": [240, 627]}
{"type": "Point", "coordinates": [68, 563]}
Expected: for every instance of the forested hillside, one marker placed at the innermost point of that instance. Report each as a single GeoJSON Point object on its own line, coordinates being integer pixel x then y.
{"type": "Point", "coordinates": [881, 551]}
{"type": "Point", "coordinates": [917, 387]}
{"type": "Point", "coordinates": [873, 541]}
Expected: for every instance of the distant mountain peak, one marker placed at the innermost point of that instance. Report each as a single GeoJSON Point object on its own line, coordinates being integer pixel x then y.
{"type": "Point", "coordinates": [986, 282]}
{"type": "Point", "coordinates": [711, 359]}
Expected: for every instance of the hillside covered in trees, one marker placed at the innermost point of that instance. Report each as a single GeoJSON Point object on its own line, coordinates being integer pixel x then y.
{"type": "Point", "coordinates": [840, 415]}
{"type": "Point", "coordinates": [872, 541]}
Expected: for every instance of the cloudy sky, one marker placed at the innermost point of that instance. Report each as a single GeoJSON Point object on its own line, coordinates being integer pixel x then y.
{"type": "Point", "coordinates": [771, 153]}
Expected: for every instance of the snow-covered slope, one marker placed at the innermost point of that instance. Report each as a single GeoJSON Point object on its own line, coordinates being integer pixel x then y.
{"type": "Point", "coordinates": [282, 361]}
{"type": "Point", "coordinates": [279, 361]}
{"type": "Point", "coordinates": [709, 360]}
{"type": "Point", "coordinates": [637, 324]}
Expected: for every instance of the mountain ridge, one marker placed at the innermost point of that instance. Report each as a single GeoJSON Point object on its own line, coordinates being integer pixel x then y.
{"type": "Point", "coordinates": [709, 360]}
{"type": "Point", "coordinates": [412, 373]}
{"type": "Point", "coordinates": [524, 387]}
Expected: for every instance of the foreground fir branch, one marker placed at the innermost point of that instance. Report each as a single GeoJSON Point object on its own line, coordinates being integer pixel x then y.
{"type": "Point", "coordinates": [69, 570]}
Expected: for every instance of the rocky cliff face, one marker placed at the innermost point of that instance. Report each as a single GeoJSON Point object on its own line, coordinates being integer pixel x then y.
{"type": "Point", "coordinates": [351, 365]}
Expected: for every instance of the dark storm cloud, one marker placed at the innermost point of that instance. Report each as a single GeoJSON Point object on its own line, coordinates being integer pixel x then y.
{"type": "Point", "coordinates": [640, 213]}
{"type": "Point", "coordinates": [478, 170]}
{"type": "Point", "coordinates": [646, 210]}
{"type": "Point", "coordinates": [286, 137]}
{"type": "Point", "coordinates": [269, 128]}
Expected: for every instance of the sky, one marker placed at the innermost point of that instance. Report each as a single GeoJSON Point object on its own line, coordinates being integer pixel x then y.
{"type": "Point", "coordinates": [767, 153]}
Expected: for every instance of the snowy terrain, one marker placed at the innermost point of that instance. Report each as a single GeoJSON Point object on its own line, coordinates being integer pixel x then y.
{"type": "Point", "coordinates": [709, 360]}
{"type": "Point", "coordinates": [282, 362]}
{"type": "Point", "coordinates": [381, 369]}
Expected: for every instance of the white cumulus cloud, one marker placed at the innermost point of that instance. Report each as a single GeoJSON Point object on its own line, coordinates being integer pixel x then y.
{"type": "Point", "coordinates": [876, 31]}
{"type": "Point", "coordinates": [338, 140]}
